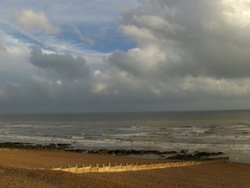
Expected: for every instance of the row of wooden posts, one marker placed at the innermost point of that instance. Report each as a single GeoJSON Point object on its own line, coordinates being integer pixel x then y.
{"type": "Point", "coordinates": [133, 167]}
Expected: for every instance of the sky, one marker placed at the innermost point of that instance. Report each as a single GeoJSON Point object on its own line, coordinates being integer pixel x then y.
{"type": "Point", "coordinates": [124, 55]}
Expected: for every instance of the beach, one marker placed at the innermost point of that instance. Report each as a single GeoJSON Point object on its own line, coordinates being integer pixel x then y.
{"type": "Point", "coordinates": [31, 168]}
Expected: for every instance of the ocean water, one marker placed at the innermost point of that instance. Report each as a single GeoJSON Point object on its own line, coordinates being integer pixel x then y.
{"type": "Point", "coordinates": [226, 131]}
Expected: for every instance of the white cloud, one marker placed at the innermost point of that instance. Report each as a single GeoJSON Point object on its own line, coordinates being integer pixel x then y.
{"type": "Point", "coordinates": [35, 21]}
{"type": "Point", "coordinates": [98, 88]}
{"type": "Point", "coordinates": [237, 12]}
{"type": "Point", "coordinates": [138, 33]}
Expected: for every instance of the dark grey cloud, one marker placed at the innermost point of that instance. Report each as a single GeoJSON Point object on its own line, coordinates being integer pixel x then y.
{"type": "Point", "coordinates": [62, 65]}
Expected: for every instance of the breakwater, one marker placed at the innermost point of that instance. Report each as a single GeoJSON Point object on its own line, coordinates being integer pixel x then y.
{"type": "Point", "coordinates": [133, 167]}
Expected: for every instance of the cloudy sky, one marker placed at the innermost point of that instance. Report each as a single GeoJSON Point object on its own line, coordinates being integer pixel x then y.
{"type": "Point", "coordinates": [124, 55]}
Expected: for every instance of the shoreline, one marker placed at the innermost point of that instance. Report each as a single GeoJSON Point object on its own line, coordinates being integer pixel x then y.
{"type": "Point", "coordinates": [150, 154]}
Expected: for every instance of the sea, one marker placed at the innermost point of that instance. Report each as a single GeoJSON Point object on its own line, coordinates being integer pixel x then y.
{"type": "Point", "coordinates": [211, 131]}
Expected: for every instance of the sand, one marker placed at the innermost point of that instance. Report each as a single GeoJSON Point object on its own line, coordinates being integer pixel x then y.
{"type": "Point", "coordinates": [29, 159]}
{"type": "Point", "coordinates": [18, 168]}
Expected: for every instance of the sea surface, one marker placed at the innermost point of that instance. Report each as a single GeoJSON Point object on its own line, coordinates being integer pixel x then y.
{"type": "Point", "coordinates": [226, 131]}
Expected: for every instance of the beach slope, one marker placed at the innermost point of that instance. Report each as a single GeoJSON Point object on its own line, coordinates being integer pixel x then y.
{"type": "Point", "coordinates": [20, 168]}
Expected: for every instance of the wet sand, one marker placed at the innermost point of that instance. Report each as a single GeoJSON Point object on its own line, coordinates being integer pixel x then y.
{"type": "Point", "coordinates": [18, 168]}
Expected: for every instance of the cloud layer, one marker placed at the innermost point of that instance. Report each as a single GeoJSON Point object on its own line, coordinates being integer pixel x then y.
{"type": "Point", "coordinates": [189, 55]}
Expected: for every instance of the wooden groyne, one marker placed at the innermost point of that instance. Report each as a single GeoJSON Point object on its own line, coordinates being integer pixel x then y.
{"type": "Point", "coordinates": [133, 167]}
